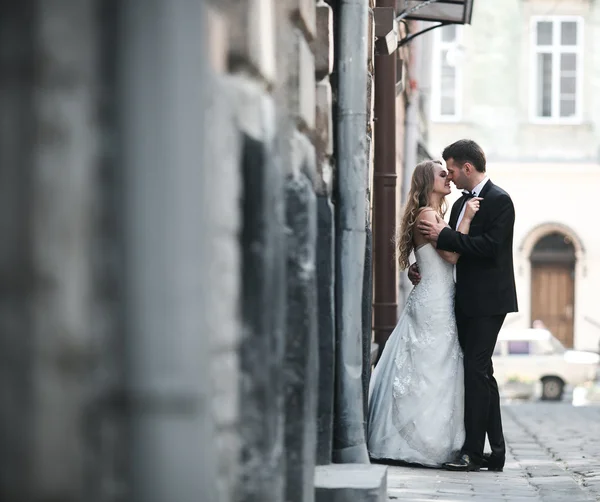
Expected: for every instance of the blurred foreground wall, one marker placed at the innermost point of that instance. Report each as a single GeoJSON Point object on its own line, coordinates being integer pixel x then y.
{"type": "Point", "coordinates": [167, 263]}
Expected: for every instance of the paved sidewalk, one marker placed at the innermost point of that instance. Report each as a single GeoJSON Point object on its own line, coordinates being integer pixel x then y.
{"type": "Point", "coordinates": [553, 456]}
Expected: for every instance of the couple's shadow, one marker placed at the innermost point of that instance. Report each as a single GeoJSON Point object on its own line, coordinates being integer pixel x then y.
{"type": "Point", "coordinates": [400, 463]}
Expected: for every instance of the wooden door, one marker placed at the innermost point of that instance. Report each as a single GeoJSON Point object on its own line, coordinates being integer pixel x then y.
{"type": "Point", "coordinates": [552, 298]}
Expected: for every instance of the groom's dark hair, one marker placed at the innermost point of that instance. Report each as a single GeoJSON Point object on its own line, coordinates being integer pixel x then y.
{"type": "Point", "coordinates": [466, 150]}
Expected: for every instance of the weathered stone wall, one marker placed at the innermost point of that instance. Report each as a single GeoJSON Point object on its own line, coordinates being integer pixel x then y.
{"type": "Point", "coordinates": [276, 52]}
{"type": "Point", "coordinates": [168, 270]}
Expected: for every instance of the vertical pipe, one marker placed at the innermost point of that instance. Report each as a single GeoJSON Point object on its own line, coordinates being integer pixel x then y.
{"type": "Point", "coordinates": [349, 428]}
{"type": "Point", "coordinates": [411, 138]}
{"type": "Point", "coordinates": [385, 305]}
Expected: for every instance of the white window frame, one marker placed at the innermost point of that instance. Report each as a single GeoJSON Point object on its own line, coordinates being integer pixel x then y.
{"type": "Point", "coordinates": [436, 78]}
{"type": "Point", "coordinates": [555, 49]}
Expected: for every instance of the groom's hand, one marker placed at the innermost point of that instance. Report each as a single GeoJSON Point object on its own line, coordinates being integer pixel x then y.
{"type": "Point", "coordinates": [413, 274]}
{"type": "Point", "coordinates": [431, 231]}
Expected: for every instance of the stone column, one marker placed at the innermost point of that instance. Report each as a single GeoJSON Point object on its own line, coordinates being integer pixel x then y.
{"type": "Point", "coordinates": [263, 302]}
{"type": "Point", "coordinates": [48, 169]}
{"type": "Point", "coordinates": [252, 75]}
{"type": "Point", "coordinates": [301, 370]}
{"type": "Point", "coordinates": [171, 243]}
{"type": "Point", "coordinates": [323, 47]}
{"type": "Point", "coordinates": [222, 259]}
{"type": "Point", "coordinates": [17, 354]}
{"type": "Point", "coordinates": [296, 98]}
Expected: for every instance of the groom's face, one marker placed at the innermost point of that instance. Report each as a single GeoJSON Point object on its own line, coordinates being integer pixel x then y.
{"type": "Point", "coordinates": [456, 174]}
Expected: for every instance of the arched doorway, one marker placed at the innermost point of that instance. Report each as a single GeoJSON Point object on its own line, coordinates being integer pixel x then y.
{"type": "Point", "coordinates": [553, 285]}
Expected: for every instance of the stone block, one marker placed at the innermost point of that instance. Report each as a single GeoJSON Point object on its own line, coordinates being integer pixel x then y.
{"type": "Point", "coordinates": [324, 117]}
{"type": "Point", "coordinates": [326, 318]}
{"type": "Point", "coordinates": [374, 352]}
{"type": "Point", "coordinates": [217, 39]}
{"type": "Point", "coordinates": [252, 36]}
{"type": "Point", "coordinates": [324, 185]}
{"type": "Point", "coordinates": [227, 441]}
{"type": "Point", "coordinates": [253, 108]}
{"type": "Point", "coordinates": [224, 100]}
{"type": "Point", "coordinates": [351, 483]}
{"type": "Point", "coordinates": [371, 39]}
{"type": "Point", "coordinates": [367, 316]}
{"type": "Point", "coordinates": [301, 351]}
{"type": "Point", "coordinates": [305, 14]}
{"type": "Point", "coordinates": [324, 42]}
{"type": "Point", "coordinates": [225, 378]}
{"type": "Point", "coordinates": [305, 81]}
{"type": "Point", "coordinates": [370, 103]}
{"type": "Point", "coordinates": [303, 157]}
{"type": "Point", "coordinates": [323, 136]}
{"type": "Point", "coordinates": [262, 309]}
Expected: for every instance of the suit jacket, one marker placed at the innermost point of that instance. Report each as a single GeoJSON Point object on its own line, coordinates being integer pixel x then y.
{"type": "Point", "coordinates": [485, 279]}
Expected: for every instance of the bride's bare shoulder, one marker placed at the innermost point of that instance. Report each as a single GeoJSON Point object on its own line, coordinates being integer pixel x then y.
{"type": "Point", "coordinates": [423, 214]}
{"type": "Point", "coordinates": [426, 213]}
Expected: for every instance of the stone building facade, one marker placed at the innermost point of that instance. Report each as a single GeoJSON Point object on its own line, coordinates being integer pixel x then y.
{"type": "Point", "coordinates": [528, 96]}
{"type": "Point", "coordinates": [186, 252]}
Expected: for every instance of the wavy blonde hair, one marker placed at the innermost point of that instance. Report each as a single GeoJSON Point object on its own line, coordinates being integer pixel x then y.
{"type": "Point", "coordinates": [421, 187]}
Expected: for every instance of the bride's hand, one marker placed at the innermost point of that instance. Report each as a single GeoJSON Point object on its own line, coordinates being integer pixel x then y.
{"type": "Point", "coordinates": [472, 207]}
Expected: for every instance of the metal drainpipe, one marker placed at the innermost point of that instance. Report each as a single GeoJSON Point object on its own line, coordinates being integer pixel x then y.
{"type": "Point", "coordinates": [352, 162]}
{"type": "Point", "coordinates": [411, 138]}
{"type": "Point", "coordinates": [385, 306]}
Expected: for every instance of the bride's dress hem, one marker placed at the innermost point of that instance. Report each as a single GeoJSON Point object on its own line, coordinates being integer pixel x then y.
{"type": "Point", "coordinates": [416, 395]}
{"type": "Point", "coordinates": [405, 463]}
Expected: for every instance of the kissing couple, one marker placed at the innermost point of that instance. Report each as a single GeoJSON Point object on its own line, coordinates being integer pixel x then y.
{"type": "Point", "coordinates": [433, 396]}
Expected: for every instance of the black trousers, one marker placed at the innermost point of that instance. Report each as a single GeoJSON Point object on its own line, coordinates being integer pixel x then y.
{"type": "Point", "coordinates": [477, 337]}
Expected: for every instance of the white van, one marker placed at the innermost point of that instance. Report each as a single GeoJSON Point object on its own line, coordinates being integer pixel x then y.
{"type": "Point", "coordinates": [532, 355]}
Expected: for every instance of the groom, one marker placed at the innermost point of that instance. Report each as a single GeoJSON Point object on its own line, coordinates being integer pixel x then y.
{"type": "Point", "coordinates": [485, 293]}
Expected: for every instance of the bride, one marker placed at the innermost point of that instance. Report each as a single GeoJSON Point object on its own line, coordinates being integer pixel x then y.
{"type": "Point", "coordinates": [416, 394]}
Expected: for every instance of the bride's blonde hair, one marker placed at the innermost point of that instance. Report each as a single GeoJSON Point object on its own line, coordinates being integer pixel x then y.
{"type": "Point", "coordinates": [421, 187]}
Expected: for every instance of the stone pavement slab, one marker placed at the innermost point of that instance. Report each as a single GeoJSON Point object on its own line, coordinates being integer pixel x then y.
{"type": "Point", "coordinates": [350, 483]}
{"type": "Point", "coordinates": [553, 455]}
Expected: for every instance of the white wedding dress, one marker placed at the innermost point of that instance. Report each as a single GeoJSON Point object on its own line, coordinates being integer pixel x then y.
{"type": "Point", "coordinates": [416, 394]}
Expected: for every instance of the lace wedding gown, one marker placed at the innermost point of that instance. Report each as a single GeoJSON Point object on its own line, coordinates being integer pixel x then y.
{"type": "Point", "coordinates": [416, 394]}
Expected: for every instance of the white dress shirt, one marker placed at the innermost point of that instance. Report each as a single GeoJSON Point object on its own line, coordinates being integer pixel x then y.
{"type": "Point", "coordinates": [476, 191]}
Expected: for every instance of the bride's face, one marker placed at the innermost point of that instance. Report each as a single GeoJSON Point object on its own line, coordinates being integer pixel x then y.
{"type": "Point", "coordinates": [441, 183]}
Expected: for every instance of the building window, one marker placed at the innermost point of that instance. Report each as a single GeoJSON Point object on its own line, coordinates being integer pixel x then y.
{"type": "Point", "coordinates": [557, 69]}
{"type": "Point", "coordinates": [446, 74]}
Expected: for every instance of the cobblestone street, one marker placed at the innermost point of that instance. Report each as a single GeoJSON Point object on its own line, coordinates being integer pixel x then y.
{"type": "Point", "coordinates": [553, 455]}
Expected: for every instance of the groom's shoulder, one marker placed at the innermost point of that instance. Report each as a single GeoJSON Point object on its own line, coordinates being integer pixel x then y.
{"type": "Point", "coordinates": [497, 191]}
{"type": "Point", "coordinates": [499, 197]}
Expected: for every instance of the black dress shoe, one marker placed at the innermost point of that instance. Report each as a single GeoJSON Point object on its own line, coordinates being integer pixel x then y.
{"type": "Point", "coordinates": [492, 463]}
{"type": "Point", "coordinates": [463, 463]}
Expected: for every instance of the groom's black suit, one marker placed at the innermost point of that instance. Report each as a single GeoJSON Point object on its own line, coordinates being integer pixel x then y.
{"type": "Point", "coordinates": [485, 293]}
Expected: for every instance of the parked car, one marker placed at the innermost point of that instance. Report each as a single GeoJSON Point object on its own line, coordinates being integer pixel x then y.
{"type": "Point", "coordinates": [534, 355]}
